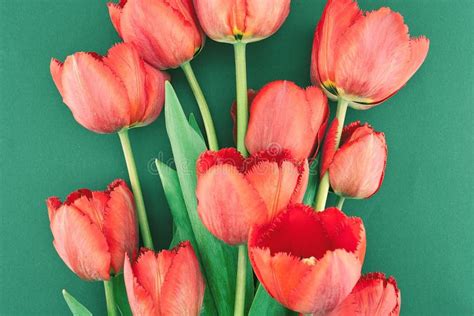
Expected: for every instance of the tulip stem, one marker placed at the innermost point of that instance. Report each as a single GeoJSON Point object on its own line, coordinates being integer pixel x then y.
{"type": "Point", "coordinates": [136, 188]}
{"type": "Point", "coordinates": [242, 98]}
{"type": "Point", "coordinates": [340, 202]}
{"type": "Point", "coordinates": [202, 104]}
{"type": "Point", "coordinates": [240, 284]}
{"type": "Point", "coordinates": [109, 298]}
{"type": "Point", "coordinates": [323, 188]}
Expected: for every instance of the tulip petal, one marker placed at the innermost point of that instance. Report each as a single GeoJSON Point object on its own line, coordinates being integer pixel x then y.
{"type": "Point", "coordinates": [92, 204]}
{"type": "Point", "coordinates": [80, 243]}
{"type": "Point", "coordinates": [337, 17]}
{"type": "Point", "coordinates": [285, 116]}
{"type": "Point", "coordinates": [300, 190]}
{"type": "Point", "coordinates": [263, 18]}
{"type": "Point", "coordinates": [358, 167]}
{"type": "Point", "coordinates": [140, 301]}
{"type": "Point", "coordinates": [95, 96]}
{"type": "Point", "coordinates": [124, 61]}
{"type": "Point", "coordinates": [373, 295]}
{"type": "Point", "coordinates": [120, 225]}
{"type": "Point", "coordinates": [56, 69]}
{"type": "Point", "coordinates": [115, 10]}
{"type": "Point", "coordinates": [329, 147]}
{"type": "Point", "coordinates": [155, 89]}
{"type": "Point", "coordinates": [372, 57]}
{"type": "Point", "coordinates": [229, 156]}
{"type": "Point", "coordinates": [228, 204]}
{"type": "Point", "coordinates": [183, 289]}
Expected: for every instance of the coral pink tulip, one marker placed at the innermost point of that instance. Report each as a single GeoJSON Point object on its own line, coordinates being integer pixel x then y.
{"type": "Point", "coordinates": [247, 21]}
{"type": "Point", "coordinates": [362, 57]}
{"type": "Point", "coordinates": [93, 230]}
{"type": "Point", "coordinates": [234, 193]}
{"type": "Point", "coordinates": [166, 33]}
{"type": "Point", "coordinates": [308, 261]}
{"type": "Point", "coordinates": [165, 283]}
{"type": "Point", "coordinates": [357, 168]}
{"type": "Point", "coordinates": [285, 116]}
{"type": "Point", "coordinates": [107, 94]}
{"type": "Point", "coordinates": [373, 295]}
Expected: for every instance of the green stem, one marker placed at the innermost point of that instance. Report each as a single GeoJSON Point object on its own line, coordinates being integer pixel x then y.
{"type": "Point", "coordinates": [340, 202]}
{"type": "Point", "coordinates": [240, 284]}
{"type": "Point", "coordinates": [242, 99]}
{"type": "Point", "coordinates": [323, 188]}
{"type": "Point", "coordinates": [202, 104]}
{"type": "Point", "coordinates": [136, 188]}
{"type": "Point", "coordinates": [109, 298]}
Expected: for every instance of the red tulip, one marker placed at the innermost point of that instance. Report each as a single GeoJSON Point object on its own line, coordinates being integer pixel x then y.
{"type": "Point", "coordinates": [234, 193]}
{"type": "Point", "coordinates": [373, 295]}
{"type": "Point", "coordinates": [357, 168]}
{"type": "Point", "coordinates": [166, 33]}
{"type": "Point", "coordinates": [308, 261]}
{"type": "Point", "coordinates": [247, 21]}
{"type": "Point", "coordinates": [286, 116]}
{"type": "Point", "coordinates": [364, 57]}
{"type": "Point", "coordinates": [107, 94]}
{"type": "Point", "coordinates": [93, 230]}
{"type": "Point", "coordinates": [165, 283]}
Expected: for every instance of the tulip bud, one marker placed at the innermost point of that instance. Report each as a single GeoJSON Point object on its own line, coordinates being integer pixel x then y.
{"type": "Point", "coordinates": [357, 168]}
{"type": "Point", "coordinates": [372, 295]}
{"type": "Point", "coordinates": [231, 21]}
{"type": "Point", "coordinates": [234, 193]}
{"type": "Point", "coordinates": [93, 230]}
{"type": "Point", "coordinates": [107, 94]}
{"type": "Point", "coordinates": [165, 283]}
{"type": "Point", "coordinates": [166, 33]}
{"type": "Point", "coordinates": [308, 261]}
{"type": "Point", "coordinates": [363, 57]}
{"type": "Point", "coordinates": [285, 116]}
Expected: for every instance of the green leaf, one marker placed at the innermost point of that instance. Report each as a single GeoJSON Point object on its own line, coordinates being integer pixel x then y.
{"type": "Point", "coordinates": [77, 309]}
{"type": "Point", "coordinates": [217, 259]}
{"type": "Point", "coordinates": [313, 182]}
{"type": "Point", "coordinates": [194, 124]}
{"type": "Point", "coordinates": [120, 294]}
{"type": "Point", "coordinates": [264, 304]}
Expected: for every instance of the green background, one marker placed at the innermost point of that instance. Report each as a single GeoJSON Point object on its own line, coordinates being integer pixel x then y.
{"type": "Point", "coordinates": [419, 225]}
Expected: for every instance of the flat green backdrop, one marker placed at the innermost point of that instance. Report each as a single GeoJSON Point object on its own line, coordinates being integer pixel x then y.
{"type": "Point", "coordinates": [419, 225]}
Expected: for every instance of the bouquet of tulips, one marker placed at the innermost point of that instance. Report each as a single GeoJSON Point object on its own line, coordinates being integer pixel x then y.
{"type": "Point", "coordinates": [252, 232]}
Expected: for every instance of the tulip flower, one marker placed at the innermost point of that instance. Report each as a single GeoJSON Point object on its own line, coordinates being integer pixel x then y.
{"type": "Point", "coordinates": [364, 58]}
{"type": "Point", "coordinates": [113, 94]}
{"type": "Point", "coordinates": [374, 294]}
{"type": "Point", "coordinates": [357, 168]}
{"type": "Point", "coordinates": [285, 116]}
{"type": "Point", "coordinates": [308, 261]}
{"type": "Point", "coordinates": [234, 193]}
{"type": "Point", "coordinates": [232, 21]}
{"type": "Point", "coordinates": [94, 229]}
{"type": "Point", "coordinates": [165, 283]}
{"type": "Point", "coordinates": [167, 35]}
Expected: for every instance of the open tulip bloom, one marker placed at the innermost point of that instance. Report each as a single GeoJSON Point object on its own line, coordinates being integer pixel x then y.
{"type": "Point", "coordinates": [243, 204]}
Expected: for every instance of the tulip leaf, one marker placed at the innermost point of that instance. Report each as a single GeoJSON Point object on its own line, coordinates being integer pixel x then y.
{"type": "Point", "coordinates": [217, 259]}
{"type": "Point", "coordinates": [264, 304]}
{"type": "Point", "coordinates": [77, 309]}
{"type": "Point", "coordinates": [313, 182]}
{"type": "Point", "coordinates": [194, 124]}
{"type": "Point", "coordinates": [120, 294]}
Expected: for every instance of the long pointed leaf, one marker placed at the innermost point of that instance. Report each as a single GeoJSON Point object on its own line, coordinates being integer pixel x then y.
{"type": "Point", "coordinates": [313, 182]}
{"type": "Point", "coordinates": [218, 259]}
{"type": "Point", "coordinates": [264, 304]}
{"type": "Point", "coordinates": [77, 309]}
{"type": "Point", "coordinates": [120, 294]}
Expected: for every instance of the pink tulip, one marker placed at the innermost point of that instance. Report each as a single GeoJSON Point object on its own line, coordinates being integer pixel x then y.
{"type": "Point", "coordinates": [167, 283]}
{"type": "Point", "coordinates": [373, 295]}
{"type": "Point", "coordinates": [234, 193]}
{"type": "Point", "coordinates": [93, 230]}
{"type": "Point", "coordinates": [285, 116]}
{"type": "Point", "coordinates": [247, 21]}
{"type": "Point", "coordinates": [308, 261]}
{"type": "Point", "coordinates": [107, 94]}
{"type": "Point", "coordinates": [357, 168]}
{"type": "Point", "coordinates": [364, 57]}
{"type": "Point", "coordinates": [166, 33]}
